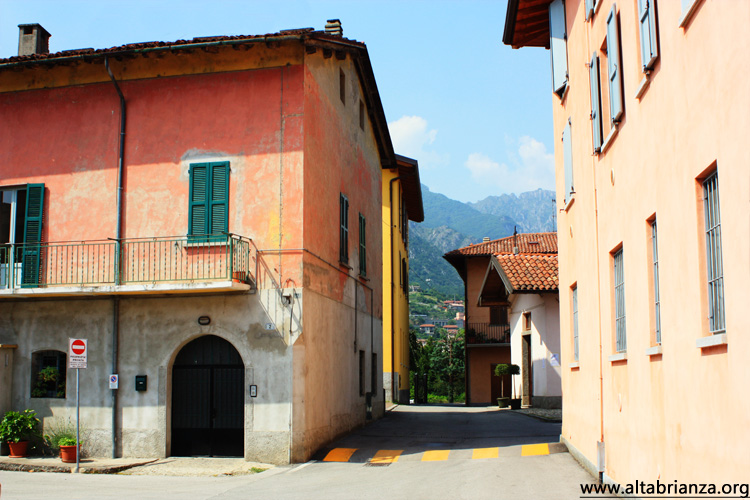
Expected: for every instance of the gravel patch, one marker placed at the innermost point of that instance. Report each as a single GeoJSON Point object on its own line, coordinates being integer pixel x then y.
{"type": "Point", "coordinates": [553, 415]}
{"type": "Point", "coordinates": [192, 466]}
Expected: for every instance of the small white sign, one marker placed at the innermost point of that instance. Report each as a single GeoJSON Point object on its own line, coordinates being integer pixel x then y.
{"type": "Point", "coordinates": [114, 381]}
{"type": "Point", "coordinates": [554, 359]}
{"type": "Point", "coordinates": [77, 353]}
{"type": "Point", "coordinates": [253, 391]}
{"type": "Point", "coordinates": [270, 326]}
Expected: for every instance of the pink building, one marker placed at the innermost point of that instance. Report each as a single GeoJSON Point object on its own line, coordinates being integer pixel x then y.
{"type": "Point", "coordinates": [650, 103]}
{"type": "Point", "coordinates": [206, 213]}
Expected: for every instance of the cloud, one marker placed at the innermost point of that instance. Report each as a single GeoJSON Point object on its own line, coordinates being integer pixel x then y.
{"type": "Point", "coordinates": [412, 137]}
{"type": "Point", "coordinates": [531, 167]}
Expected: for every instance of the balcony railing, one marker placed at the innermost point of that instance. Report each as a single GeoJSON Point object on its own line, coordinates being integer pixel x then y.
{"type": "Point", "coordinates": [178, 259]}
{"type": "Point", "coordinates": [485, 333]}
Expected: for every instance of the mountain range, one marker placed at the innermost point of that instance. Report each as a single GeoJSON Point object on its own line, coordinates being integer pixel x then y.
{"type": "Point", "coordinates": [450, 224]}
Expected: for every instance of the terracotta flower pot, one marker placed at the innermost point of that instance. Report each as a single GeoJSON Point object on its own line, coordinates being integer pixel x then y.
{"type": "Point", "coordinates": [68, 454]}
{"type": "Point", "coordinates": [19, 449]}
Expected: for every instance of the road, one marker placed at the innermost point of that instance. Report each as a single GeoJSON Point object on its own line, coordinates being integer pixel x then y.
{"type": "Point", "coordinates": [416, 452]}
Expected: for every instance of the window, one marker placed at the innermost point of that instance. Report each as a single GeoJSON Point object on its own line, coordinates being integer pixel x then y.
{"type": "Point", "coordinates": [403, 219]}
{"type": "Point", "coordinates": [688, 9]}
{"type": "Point", "coordinates": [614, 72]}
{"type": "Point", "coordinates": [342, 86]}
{"type": "Point", "coordinates": [558, 47]}
{"type": "Point", "coordinates": [344, 229]}
{"type": "Point", "coordinates": [596, 104]}
{"type": "Point", "coordinates": [714, 262]}
{"type": "Point", "coordinates": [48, 374]}
{"type": "Point", "coordinates": [361, 115]}
{"type": "Point", "coordinates": [21, 219]}
{"type": "Point", "coordinates": [591, 7]}
{"type": "Point", "coordinates": [374, 374]}
{"type": "Point", "coordinates": [568, 163]}
{"type": "Point", "coordinates": [655, 259]}
{"type": "Point", "coordinates": [527, 321]}
{"type": "Point", "coordinates": [647, 29]}
{"type": "Point", "coordinates": [405, 275]}
{"type": "Point", "coordinates": [575, 322]}
{"type": "Point", "coordinates": [362, 247]}
{"type": "Point", "coordinates": [619, 275]}
{"type": "Point", "coordinates": [361, 373]}
{"type": "Point", "coordinates": [498, 315]}
{"type": "Point", "coordinates": [209, 199]}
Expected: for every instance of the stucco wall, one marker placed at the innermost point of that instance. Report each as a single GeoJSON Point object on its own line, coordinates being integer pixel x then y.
{"type": "Point", "coordinates": [481, 360]}
{"type": "Point", "coordinates": [545, 341]}
{"type": "Point", "coordinates": [674, 415]}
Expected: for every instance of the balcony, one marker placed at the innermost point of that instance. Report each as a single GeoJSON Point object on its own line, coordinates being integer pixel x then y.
{"type": "Point", "coordinates": [485, 333]}
{"type": "Point", "coordinates": [162, 265]}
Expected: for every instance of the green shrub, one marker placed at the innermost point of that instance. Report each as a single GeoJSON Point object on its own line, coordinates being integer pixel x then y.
{"type": "Point", "coordinates": [17, 426]}
{"type": "Point", "coordinates": [66, 441]}
{"type": "Point", "coordinates": [62, 432]}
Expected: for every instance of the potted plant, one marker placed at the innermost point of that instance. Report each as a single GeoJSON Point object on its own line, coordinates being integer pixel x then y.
{"type": "Point", "coordinates": [68, 448]}
{"type": "Point", "coordinates": [16, 428]}
{"type": "Point", "coordinates": [507, 369]}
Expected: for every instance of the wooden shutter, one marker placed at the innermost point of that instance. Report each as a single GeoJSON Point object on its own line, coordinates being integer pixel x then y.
{"type": "Point", "coordinates": [218, 204]}
{"type": "Point", "coordinates": [613, 65]}
{"type": "Point", "coordinates": [32, 235]}
{"type": "Point", "coordinates": [567, 162]}
{"type": "Point", "coordinates": [198, 216]}
{"type": "Point", "coordinates": [343, 229]}
{"type": "Point", "coordinates": [362, 247]}
{"type": "Point", "coordinates": [596, 104]}
{"type": "Point", "coordinates": [589, 9]}
{"type": "Point", "coordinates": [558, 46]}
{"type": "Point", "coordinates": [647, 18]}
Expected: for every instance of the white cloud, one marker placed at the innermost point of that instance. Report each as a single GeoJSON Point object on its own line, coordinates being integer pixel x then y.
{"type": "Point", "coordinates": [412, 137]}
{"type": "Point", "coordinates": [531, 167]}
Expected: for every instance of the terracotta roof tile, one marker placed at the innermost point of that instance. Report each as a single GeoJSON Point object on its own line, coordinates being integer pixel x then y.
{"type": "Point", "coordinates": [528, 243]}
{"type": "Point", "coordinates": [530, 272]}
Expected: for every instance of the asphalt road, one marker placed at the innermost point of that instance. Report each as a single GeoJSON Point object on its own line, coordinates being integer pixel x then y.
{"type": "Point", "coordinates": [427, 452]}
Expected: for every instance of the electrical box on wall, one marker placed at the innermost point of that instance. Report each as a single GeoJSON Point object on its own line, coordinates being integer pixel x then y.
{"type": "Point", "coordinates": [141, 381]}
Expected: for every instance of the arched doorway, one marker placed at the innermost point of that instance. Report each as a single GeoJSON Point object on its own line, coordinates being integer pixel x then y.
{"type": "Point", "coordinates": [208, 399]}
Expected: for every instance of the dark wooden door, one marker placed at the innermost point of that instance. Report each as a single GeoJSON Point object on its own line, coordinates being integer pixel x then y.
{"type": "Point", "coordinates": [208, 399]}
{"type": "Point", "coordinates": [527, 371]}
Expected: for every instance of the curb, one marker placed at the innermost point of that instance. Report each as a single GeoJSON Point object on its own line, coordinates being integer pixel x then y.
{"type": "Point", "coordinates": [539, 417]}
{"type": "Point", "coordinates": [16, 467]}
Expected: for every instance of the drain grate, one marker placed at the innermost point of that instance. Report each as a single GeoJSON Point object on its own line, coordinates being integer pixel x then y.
{"type": "Point", "coordinates": [377, 464]}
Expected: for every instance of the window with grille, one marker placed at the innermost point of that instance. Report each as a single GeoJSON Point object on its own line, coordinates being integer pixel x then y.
{"type": "Point", "coordinates": [620, 336]}
{"type": "Point", "coordinates": [657, 305]}
{"type": "Point", "coordinates": [714, 262]}
{"type": "Point", "coordinates": [575, 323]}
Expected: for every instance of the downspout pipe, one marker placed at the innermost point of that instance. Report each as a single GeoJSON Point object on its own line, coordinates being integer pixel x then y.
{"type": "Point", "coordinates": [393, 291]}
{"type": "Point", "coordinates": [118, 233]}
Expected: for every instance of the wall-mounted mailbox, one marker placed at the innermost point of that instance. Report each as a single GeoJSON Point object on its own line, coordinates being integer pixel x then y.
{"type": "Point", "coordinates": [141, 381]}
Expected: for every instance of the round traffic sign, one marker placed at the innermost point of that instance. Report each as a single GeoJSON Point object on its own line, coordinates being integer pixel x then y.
{"type": "Point", "coordinates": [78, 347]}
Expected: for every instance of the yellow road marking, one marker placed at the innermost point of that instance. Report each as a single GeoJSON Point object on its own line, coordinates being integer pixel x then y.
{"type": "Point", "coordinates": [339, 455]}
{"type": "Point", "coordinates": [528, 450]}
{"type": "Point", "coordinates": [485, 453]}
{"type": "Point", "coordinates": [386, 456]}
{"type": "Point", "coordinates": [435, 455]}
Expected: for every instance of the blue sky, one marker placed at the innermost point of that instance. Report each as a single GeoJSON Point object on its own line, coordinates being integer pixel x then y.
{"type": "Point", "coordinates": [475, 113]}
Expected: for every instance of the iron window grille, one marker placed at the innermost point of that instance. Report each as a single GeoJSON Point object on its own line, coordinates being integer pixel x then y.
{"type": "Point", "coordinates": [714, 262]}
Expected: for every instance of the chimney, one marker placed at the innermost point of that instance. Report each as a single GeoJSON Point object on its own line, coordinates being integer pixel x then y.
{"type": "Point", "coordinates": [32, 39]}
{"type": "Point", "coordinates": [486, 239]}
{"type": "Point", "coordinates": [333, 27]}
{"type": "Point", "coordinates": [515, 240]}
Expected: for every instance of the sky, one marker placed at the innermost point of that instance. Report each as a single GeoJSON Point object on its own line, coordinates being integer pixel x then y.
{"type": "Point", "coordinates": [473, 112]}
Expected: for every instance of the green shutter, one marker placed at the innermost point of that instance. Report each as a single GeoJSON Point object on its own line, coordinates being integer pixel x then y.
{"type": "Point", "coordinates": [362, 247]}
{"type": "Point", "coordinates": [613, 67]}
{"type": "Point", "coordinates": [558, 46]}
{"type": "Point", "coordinates": [209, 198]}
{"type": "Point", "coordinates": [32, 235]}
{"type": "Point", "coordinates": [198, 199]}
{"type": "Point", "coordinates": [219, 221]}
{"type": "Point", "coordinates": [568, 163]}
{"type": "Point", "coordinates": [596, 104]}
{"type": "Point", "coordinates": [647, 19]}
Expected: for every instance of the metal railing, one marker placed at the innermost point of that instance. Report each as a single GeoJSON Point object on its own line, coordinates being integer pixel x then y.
{"type": "Point", "coordinates": [485, 333]}
{"type": "Point", "coordinates": [176, 259]}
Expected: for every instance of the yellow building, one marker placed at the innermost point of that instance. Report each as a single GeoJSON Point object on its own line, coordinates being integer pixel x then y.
{"type": "Point", "coordinates": [402, 202]}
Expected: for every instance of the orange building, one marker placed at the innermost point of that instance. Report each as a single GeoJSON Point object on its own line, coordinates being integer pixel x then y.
{"type": "Point", "coordinates": [650, 104]}
{"type": "Point", "coordinates": [206, 214]}
{"type": "Point", "coordinates": [511, 317]}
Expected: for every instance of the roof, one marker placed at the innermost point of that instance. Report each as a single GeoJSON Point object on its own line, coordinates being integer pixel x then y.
{"type": "Point", "coordinates": [529, 273]}
{"type": "Point", "coordinates": [311, 39]}
{"type": "Point", "coordinates": [408, 171]}
{"type": "Point", "coordinates": [527, 23]}
{"type": "Point", "coordinates": [544, 243]}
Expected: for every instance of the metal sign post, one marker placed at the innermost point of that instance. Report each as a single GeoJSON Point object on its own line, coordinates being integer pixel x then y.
{"type": "Point", "coordinates": [78, 358]}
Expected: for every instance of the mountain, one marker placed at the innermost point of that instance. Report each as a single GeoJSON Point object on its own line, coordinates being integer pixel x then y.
{"type": "Point", "coordinates": [439, 210]}
{"type": "Point", "coordinates": [451, 224]}
{"type": "Point", "coordinates": [534, 211]}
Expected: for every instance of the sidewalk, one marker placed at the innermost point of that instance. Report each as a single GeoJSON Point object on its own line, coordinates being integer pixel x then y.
{"type": "Point", "coordinates": [87, 465]}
